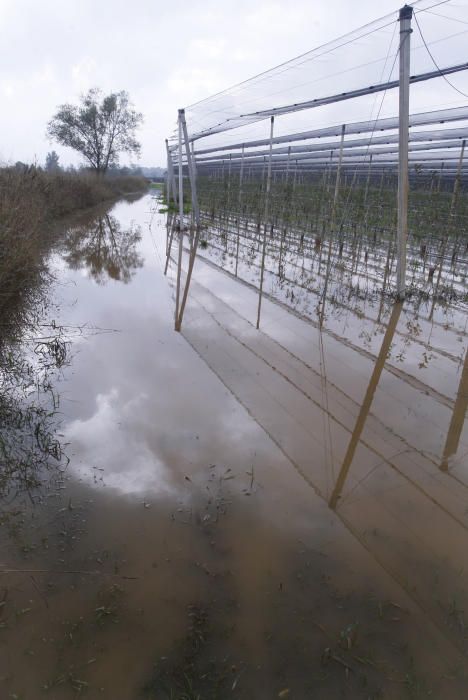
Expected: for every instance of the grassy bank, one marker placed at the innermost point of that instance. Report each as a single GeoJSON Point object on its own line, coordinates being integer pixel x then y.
{"type": "Point", "coordinates": [31, 201]}
{"type": "Point", "coordinates": [33, 205]}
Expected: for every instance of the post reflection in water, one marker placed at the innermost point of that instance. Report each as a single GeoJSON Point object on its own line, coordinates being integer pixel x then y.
{"type": "Point", "coordinates": [104, 247]}
{"type": "Point", "coordinates": [458, 419]}
{"type": "Point", "coordinates": [387, 430]}
{"type": "Point", "coordinates": [366, 404]}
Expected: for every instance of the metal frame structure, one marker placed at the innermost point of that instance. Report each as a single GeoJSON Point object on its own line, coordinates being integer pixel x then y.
{"type": "Point", "coordinates": [382, 145]}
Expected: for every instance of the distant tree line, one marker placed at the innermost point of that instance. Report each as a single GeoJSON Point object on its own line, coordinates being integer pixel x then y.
{"type": "Point", "coordinates": [52, 165]}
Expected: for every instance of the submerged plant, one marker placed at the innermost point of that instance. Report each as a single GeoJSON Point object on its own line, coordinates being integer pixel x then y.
{"type": "Point", "coordinates": [29, 444]}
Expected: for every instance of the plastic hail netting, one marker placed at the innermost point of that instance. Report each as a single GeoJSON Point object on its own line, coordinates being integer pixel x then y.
{"type": "Point", "coordinates": [355, 76]}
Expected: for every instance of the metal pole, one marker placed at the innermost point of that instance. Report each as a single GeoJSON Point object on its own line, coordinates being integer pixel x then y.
{"type": "Point", "coordinates": [267, 196]}
{"type": "Point", "coordinates": [338, 169]}
{"type": "Point", "coordinates": [196, 211]}
{"type": "Point", "coordinates": [228, 208]}
{"type": "Point", "coordinates": [181, 225]}
{"type": "Point", "coordinates": [238, 208]}
{"type": "Point", "coordinates": [168, 175]}
{"type": "Point", "coordinates": [406, 14]}
{"type": "Point", "coordinates": [171, 174]}
{"type": "Point", "coordinates": [295, 178]}
{"type": "Point", "coordinates": [440, 175]}
{"type": "Point", "coordinates": [456, 185]}
{"type": "Point", "coordinates": [368, 180]}
{"type": "Point", "coordinates": [191, 168]}
{"type": "Point", "coordinates": [194, 161]}
{"type": "Point", "coordinates": [283, 226]}
{"type": "Point", "coordinates": [329, 171]}
{"type": "Point", "coordinates": [443, 246]}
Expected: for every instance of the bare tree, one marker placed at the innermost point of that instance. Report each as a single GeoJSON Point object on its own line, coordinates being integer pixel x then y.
{"type": "Point", "coordinates": [105, 248]}
{"type": "Point", "coordinates": [100, 128]}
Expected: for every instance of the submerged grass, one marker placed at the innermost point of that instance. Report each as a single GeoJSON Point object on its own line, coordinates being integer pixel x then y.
{"type": "Point", "coordinates": [29, 443]}
{"type": "Point", "coordinates": [191, 672]}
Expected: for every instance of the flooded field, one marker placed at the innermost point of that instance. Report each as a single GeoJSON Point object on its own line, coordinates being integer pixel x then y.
{"type": "Point", "coordinates": [231, 512]}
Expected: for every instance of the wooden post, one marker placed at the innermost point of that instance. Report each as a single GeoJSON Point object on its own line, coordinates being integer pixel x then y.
{"type": "Point", "coordinates": [366, 405]}
{"type": "Point", "coordinates": [406, 14]}
{"type": "Point", "coordinates": [267, 196]}
{"type": "Point", "coordinates": [181, 225]}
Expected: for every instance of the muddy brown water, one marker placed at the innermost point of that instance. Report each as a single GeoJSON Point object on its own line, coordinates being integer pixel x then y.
{"type": "Point", "coordinates": [264, 514]}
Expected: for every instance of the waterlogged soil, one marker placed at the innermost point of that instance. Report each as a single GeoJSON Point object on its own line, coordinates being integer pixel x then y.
{"type": "Point", "coordinates": [273, 513]}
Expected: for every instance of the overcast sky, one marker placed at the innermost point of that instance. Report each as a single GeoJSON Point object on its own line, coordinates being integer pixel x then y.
{"type": "Point", "coordinates": [165, 54]}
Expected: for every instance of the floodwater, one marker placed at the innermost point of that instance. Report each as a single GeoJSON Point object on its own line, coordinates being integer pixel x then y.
{"type": "Point", "coordinates": [279, 513]}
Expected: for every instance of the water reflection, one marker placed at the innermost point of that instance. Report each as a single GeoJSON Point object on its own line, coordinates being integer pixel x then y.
{"type": "Point", "coordinates": [188, 557]}
{"type": "Point", "coordinates": [366, 405]}
{"type": "Point", "coordinates": [366, 416]}
{"type": "Point", "coordinates": [458, 419]}
{"type": "Point", "coordinates": [105, 248]}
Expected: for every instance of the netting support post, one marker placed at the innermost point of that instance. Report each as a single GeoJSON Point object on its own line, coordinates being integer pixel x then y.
{"type": "Point", "coordinates": [228, 208]}
{"type": "Point", "coordinates": [267, 202]}
{"type": "Point", "coordinates": [181, 224]}
{"type": "Point", "coordinates": [239, 203]}
{"type": "Point", "coordinates": [194, 161]}
{"type": "Point", "coordinates": [441, 172]}
{"type": "Point", "coordinates": [443, 247]}
{"type": "Point", "coordinates": [456, 184]}
{"type": "Point", "coordinates": [170, 177]}
{"type": "Point", "coordinates": [338, 168]}
{"type": "Point", "coordinates": [191, 169]}
{"type": "Point", "coordinates": [195, 214]}
{"type": "Point", "coordinates": [406, 14]}
{"type": "Point", "coordinates": [368, 180]}
{"type": "Point", "coordinates": [283, 225]}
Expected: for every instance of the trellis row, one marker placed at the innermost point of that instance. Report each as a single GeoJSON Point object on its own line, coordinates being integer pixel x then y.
{"type": "Point", "coordinates": [430, 149]}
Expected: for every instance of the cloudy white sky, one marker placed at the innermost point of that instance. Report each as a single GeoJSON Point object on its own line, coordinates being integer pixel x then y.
{"type": "Point", "coordinates": [166, 54]}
